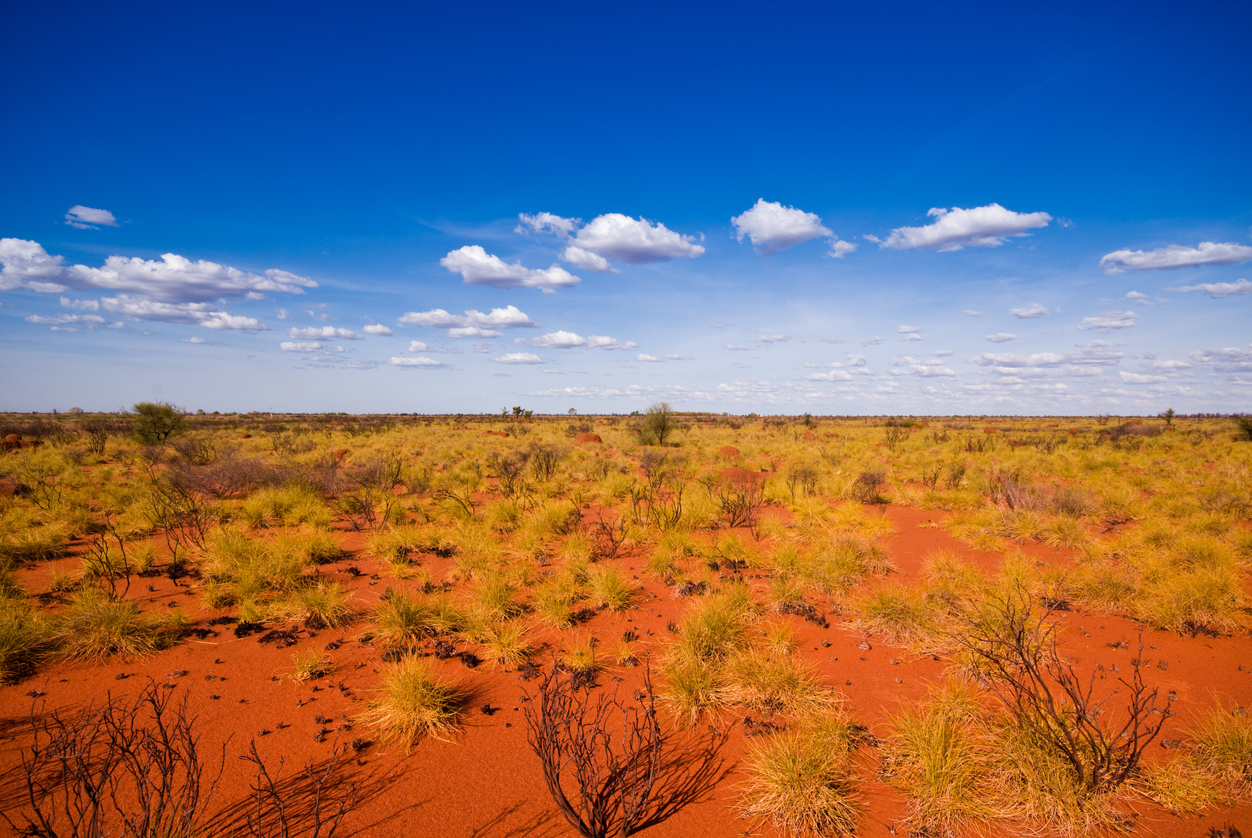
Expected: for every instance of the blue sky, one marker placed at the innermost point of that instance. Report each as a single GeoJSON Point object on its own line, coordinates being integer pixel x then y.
{"type": "Point", "coordinates": [783, 208]}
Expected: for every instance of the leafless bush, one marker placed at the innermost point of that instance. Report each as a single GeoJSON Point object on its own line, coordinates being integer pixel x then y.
{"type": "Point", "coordinates": [510, 470]}
{"type": "Point", "coordinates": [97, 432]}
{"type": "Point", "coordinates": [606, 784]}
{"type": "Point", "coordinates": [740, 502]}
{"type": "Point", "coordinates": [609, 536]}
{"type": "Point", "coordinates": [865, 487]}
{"type": "Point", "coordinates": [1013, 645]}
{"type": "Point", "coordinates": [196, 450]}
{"type": "Point", "coordinates": [802, 477]}
{"type": "Point", "coordinates": [134, 768]}
{"type": "Point", "coordinates": [544, 459]}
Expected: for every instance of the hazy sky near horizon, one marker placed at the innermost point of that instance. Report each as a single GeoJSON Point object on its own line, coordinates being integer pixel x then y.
{"type": "Point", "coordinates": [908, 208]}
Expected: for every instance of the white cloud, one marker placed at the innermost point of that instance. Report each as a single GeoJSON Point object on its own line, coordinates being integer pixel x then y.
{"type": "Point", "coordinates": [926, 367]}
{"type": "Point", "coordinates": [840, 249]}
{"type": "Point", "coordinates": [1096, 354]}
{"type": "Point", "coordinates": [518, 358]}
{"type": "Point", "coordinates": [634, 241]}
{"type": "Point", "coordinates": [649, 358]}
{"type": "Point", "coordinates": [478, 267]}
{"type": "Point", "coordinates": [773, 227]}
{"type": "Point", "coordinates": [1030, 311]}
{"type": "Point", "coordinates": [587, 261]}
{"type": "Point", "coordinates": [909, 333]}
{"type": "Point", "coordinates": [509, 317]}
{"type": "Point", "coordinates": [1217, 290]}
{"type": "Point", "coordinates": [1136, 378]}
{"type": "Point", "coordinates": [378, 329]}
{"type": "Point", "coordinates": [1001, 337]}
{"type": "Point", "coordinates": [833, 375]}
{"type": "Point", "coordinates": [606, 342]}
{"type": "Point", "coordinates": [222, 320]}
{"type": "Point", "coordinates": [317, 333]}
{"type": "Point", "coordinates": [874, 341]}
{"type": "Point", "coordinates": [736, 347]}
{"type": "Point", "coordinates": [1110, 321]}
{"type": "Point", "coordinates": [969, 312]}
{"type": "Point", "coordinates": [195, 314]}
{"type": "Point", "coordinates": [80, 305]}
{"type": "Point", "coordinates": [675, 357]}
{"type": "Point", "coordinates": [1228, 360]}
{"type": "Point", "coordinates": [24, 260]}
{"type": "Point", "coordinates": [282, 313]}
{"type": "Point", "coordinates": [855, 360]}
{"type": "Point", "coordinates": [418, 346]}
{"type": "Point", "coordinates": [419, 363]}
{"type": "Point", "coordinates": [545, 222]}
{"type": "Point", "coordinates": [942, 353]}
{"type": "Point", "coordinates": [62, 319]}
{"type": "Point", "coordinates": [195, 339]}
{"type": "Point", "coordinates": [772, 338]}
{"type": "Point", "coordinates": [559, 340]}
{"type": "Point", "coordinates": [957, 228]}
{"type": "Point", "coordinates": [1175, 256]}
{"type": "Point", "coordinates": [310, 347]}
{"type": "Point", "coordinates": [85, 218]}
{"type": "Point", "coordinates": [473, 332]}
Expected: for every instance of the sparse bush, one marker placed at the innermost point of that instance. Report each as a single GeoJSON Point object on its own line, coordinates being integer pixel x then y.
{"type": "Point", "coordinates": [154, 423]}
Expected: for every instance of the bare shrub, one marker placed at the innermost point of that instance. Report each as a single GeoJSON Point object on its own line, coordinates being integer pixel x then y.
{"type": "Point", "coordinates": [1014, 650]}
{"type": "Point", "coordinates": [134, 768]}
{"type": "Point", "coordinates": [606, 784]}
{"type": "Point", "coordinates": [865, 487]}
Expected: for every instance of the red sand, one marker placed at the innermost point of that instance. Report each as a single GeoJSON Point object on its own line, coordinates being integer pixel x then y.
{"type": "Point", "coordinates": [486, 781]}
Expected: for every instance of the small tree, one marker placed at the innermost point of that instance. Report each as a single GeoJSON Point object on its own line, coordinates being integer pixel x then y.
{"type": "Point", "coordinates": [658, 424]}
{"type": "Point", "coordinates": [1168, 416]}
{"type": "Point", "coordinates": [155, 422]}
{"type": "Point", "coordinates": [1244, 423]}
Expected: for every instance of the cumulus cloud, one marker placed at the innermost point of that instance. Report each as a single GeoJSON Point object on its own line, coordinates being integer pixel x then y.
{"type": "Point", "coordinates": [833, 375]}
{"type": "Point", "coordinates": [518, 358]}
{"type": "Point", "coordinates": [587, 261]}
{"type": "Point", "coordinates": [559, 340]}
{"type": "Point", "coordinates": [909, 333]}
{"type": "Point", "coordinates": [542, 222]}
{"type": "Point", "coordinates": [418, 363]}
{"type": "Point", "coordinates": [196, 314]}
{"type": "Point", "coordinates": [1109, 321]}
{"type": "Point", "coordinates": [926, 367]}
{"type": "Point", "coordinates": [840, 249]}
{"type": "Point", "coordinates": [634, 241]}
{"type": "Point", "coordinates": [1228, 360]}
{"type": "Point", "coordinates": [649, 358]}
{"type": "Point", "coordinates": [734, 347]}
{"type": "Point", "coordinates": [772, 227]}
{"type": "Point", "coordinates": [954, 229]}
{"type": "Point", "coordinates": [772, 338]}
{"type": "Point", "coordinates": [195, 339]}
{"type": "Point", "coordinates": [80, 305]}
{"type": "Point", "coordinates": [606, 342]}
{"type": "Point", "coordinates": [1175, 256]}
{"type": "Point", "coordinates": [1217, 290]}
{"type": "Point", "coordinates": [86, 218]}
{"type": "Point", "coordinates": [478, 267]}
{"type": "Point", "coordinates": [173, 279]}
{"type": "Point", "coordinates": [1030, 311]}
{"type": "Point", "coordinates": [418, 346]}
{"type": "Point", "coordinates": [874, 341]}
{"type": "Point", "coordinates": [1094, 355]}
{"type": "Point", "coordinates": [676, 357]}
{"type": "Point", "coordinates": [509, 317]}
{"type": "Point", "coordinates": [1001, 337]}
{"type": "Point", "coordinates": [322, 332]}
{"type": "Point", "coordinates": [378, 329]}
{"type": "Point", "coordinates": [473, 332]}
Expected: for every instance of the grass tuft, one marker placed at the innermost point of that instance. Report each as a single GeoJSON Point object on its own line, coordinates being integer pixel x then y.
{"type": "Point", "coordinates": [415, 703]}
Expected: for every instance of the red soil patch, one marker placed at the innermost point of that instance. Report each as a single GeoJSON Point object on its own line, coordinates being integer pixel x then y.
{"type": "Point", "coordinates": [729, 452]}
{"type": "Point", "coordinates": [486, 781]}
{"type": "Point", "coordinates": [496, 433]}
{"type": "Point", "coordinates": [585, 438]}
{"type": "Point", "coordinates": [742, 476]}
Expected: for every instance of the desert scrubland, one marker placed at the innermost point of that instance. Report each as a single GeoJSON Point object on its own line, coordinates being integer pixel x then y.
{"type": "Point", "coordinates": [670, 624]}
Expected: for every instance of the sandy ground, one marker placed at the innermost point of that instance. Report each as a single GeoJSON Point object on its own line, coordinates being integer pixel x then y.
{"type": "Point", "coordinates": [485, 781]}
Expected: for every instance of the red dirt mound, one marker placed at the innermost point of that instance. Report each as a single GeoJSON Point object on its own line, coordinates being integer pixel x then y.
{"type": "Point", "coordinates": [589, 438]}
{"type": "Point", "coordinates": [735, 474]}
{"type": "Point", "coordinates": [496, 433]}
{"type": "Point", "coordinates": [729, 452]}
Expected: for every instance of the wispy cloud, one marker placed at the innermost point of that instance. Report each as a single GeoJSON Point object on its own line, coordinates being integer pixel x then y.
{"type": "Point", "coordinates": [1217, 290]}
{"type": "Point", "coordinates": [86, 218]}
{"type": "Point", "coordinates": [1175, 256]}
